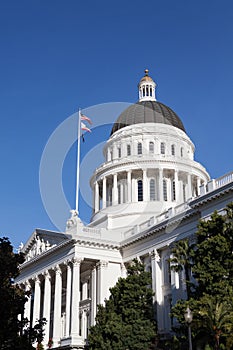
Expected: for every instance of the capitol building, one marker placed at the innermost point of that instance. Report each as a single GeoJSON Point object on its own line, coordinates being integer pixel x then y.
{"type": "Point", "coordinates": [149, 193]}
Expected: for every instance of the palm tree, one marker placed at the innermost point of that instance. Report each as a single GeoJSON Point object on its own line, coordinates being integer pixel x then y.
{"type": "Point", "coordinates": [217, 320]}
{"type": "Point", "coordinates": [181, 261]}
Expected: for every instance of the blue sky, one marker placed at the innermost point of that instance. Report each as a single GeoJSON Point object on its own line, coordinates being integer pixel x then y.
{"type": "Point", "coordinates": [57, 56]}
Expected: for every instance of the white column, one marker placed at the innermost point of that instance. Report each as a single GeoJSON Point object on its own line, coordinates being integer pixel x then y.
{"type": "Point", "coordinates": [75, 297]}
{"type": "Point", "coordinates": [84, 291]}
{"type": "Point", "coordinates": [176, 185]}
{"type": "Point", "coordinates": [161, 184]}
{"type": "Point", "coordinates": [97, 200]}
{"type": "Point", "coordinates": [104, 193]}
{"type": "Point", "coordinates": [47, 304]}
{"type": "Point", "coordinates": [93, 296]}
{"type": "Point", "coordinates": [85, 324]}
{"type": "Point", "coordinates": [36, 305]}
{"type": "Point", "coordinates": [134, 190]}
{"type": "Point", "coordinates": [157, 285]}
{"type": "Point", "coordinates": [101, 283]}
{"type": "Point", "coordinates": [189, 191]}
{"type": "Point", "coordinates": [145, 186]}
{"type": "Point", "coordinates": [57, 306]}
{"type": "Point", "coordinates": [198, 186]}
{"type": "Point", "coordinates": [27, 305]}
{"type": "Point", "coordinates": [68, 299]}
{"type": "Point", "coordinates": [153, 274]}
{"type": "Point", "coordinates": [169, 189]}
{"type": "Point", "coordinates": [82, 323]}
{"type": "Point", "coordinates": [123, 271]}
{"type": "Point", "coordinates": [129, 187]}
{"type": "Point", "coordinates": [114, 190]}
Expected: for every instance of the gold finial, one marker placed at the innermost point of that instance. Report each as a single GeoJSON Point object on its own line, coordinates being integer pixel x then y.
{"type": "Point", "coordinates": [146, 71]}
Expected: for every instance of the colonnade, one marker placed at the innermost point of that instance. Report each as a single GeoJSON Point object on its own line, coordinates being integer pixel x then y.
{"type": "Point", "coordinates": [66, 299]}
{"type": "Point", "coordinates": [122, 187]}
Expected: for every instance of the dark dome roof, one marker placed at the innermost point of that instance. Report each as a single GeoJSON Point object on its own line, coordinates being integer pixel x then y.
{"type": "Point", "coordinates": [147, 112]}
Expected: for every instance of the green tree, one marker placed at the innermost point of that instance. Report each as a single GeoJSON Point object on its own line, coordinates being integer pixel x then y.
{"type": "Point", "coordinates": [181, 260]}
{"type": "Point", "coordinates": [211, 262]}
{"type": "Point", "coordinates": [217, 319]}
{"type": "Point", "coordinates": [126, 321]}
{"type": "Point", "coordinates": [15, 333]}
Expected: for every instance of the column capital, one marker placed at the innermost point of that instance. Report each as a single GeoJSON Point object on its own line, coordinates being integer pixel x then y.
{"type": "Point", "coordinates": [67, 262]}
{"type": "Point", "coordinates": [36, 279]}
{"type": "Point", "coordinates": [57, 269]}
{"type": "Point", "coordinates": [76, 260]}
{"type": "Point", "coordinates": [102, 263]}
{"type": "Point", "coordinates": [47, 274]}
{"type": "Point", "coordinates": [27, 284]}
{"type": "Point", "coordinates": [154, 254]}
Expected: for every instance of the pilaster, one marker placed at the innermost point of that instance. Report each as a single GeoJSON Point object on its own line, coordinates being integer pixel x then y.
{"type": "Point", "coordinates": [57, 306]}
{"type": "Point", "coordinates": [47, 304]}
{"type": "Point", "coordinates": [37, 297]}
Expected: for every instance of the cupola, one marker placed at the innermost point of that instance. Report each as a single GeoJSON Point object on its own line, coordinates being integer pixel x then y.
{"type": "Point", "coordinates": [146, 88]}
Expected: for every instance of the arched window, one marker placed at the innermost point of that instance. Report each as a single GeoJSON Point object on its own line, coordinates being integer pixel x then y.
{"type": "Point", "coordinates": [152, 189]}
{"type": "Point", "coordinates": [151, 147]}
{"type": "Point", "coordinates": [164, 190]}
{"type": "Point", "coordinates": [162, 148]}
{"type": "Point", "coordinates": [111, 155]}
{"type": "Point", "coordinates": [173, 190]}
{"type": "Point", "coordinates": [139, 148]}
{"type": "Point", "coordinates": [140, 191]}
{"type": "Point", "coordinates": [128, 150]}
{"type": "Point", "coordinates": [181, 152]}
{"type": "Point", "coordinates": [173, 150]}
{"type": "Point", "coordinates": [119, 152]}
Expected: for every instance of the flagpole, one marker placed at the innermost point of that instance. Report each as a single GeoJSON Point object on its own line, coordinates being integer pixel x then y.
{"type": "Point", "coordinates": [78, 161]}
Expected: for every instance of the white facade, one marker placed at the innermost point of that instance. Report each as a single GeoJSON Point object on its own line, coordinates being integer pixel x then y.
{"type": "Point", "coordinates": [149, 193]}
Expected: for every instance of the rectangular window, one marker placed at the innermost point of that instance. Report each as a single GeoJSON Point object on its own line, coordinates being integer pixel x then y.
{"type": "Point", "coordinates": [152, 190]}
{"type": "Point", "coordinates": [139, 148]}
{"type": "Point", "coordinates": [164, 190]}
{"type": "Point", "coordinates": [151, 147]}
{"type": "Point", "coordinates": [140, 191]}
{"type": "Point", "coordinates": [128, 150]}
{"type": "Point", "coordinates": [162, 148]}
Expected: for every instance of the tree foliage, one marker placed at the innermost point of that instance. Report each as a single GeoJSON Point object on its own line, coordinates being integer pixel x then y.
{"type": "Point", "coordinates": [15, 332]}
{"type": "Point", "coordinates": [126, 321]}
{"type": "Point", "coordinates": [181, 260]}
{"type": "Point", "coordinates": [211, 263]}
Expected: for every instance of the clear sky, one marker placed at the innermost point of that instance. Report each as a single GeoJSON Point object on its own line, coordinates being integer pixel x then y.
{"type": "Point", "coordinates": [57, 56]}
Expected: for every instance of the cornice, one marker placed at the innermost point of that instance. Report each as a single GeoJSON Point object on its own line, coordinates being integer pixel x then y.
{"type": "Point", "coordinates": [124, 164]}
{"type": "Point", "coordinates": [210, 196]}
{"type": "Point", "coordinates": [153, 230]}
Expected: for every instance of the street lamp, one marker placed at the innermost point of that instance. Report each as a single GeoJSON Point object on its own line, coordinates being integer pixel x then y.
{"type": "Point", "coordinates": [188, 315]}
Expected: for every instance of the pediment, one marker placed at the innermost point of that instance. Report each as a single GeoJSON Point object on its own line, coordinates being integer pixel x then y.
{"type": "Point", "coordinates": [41, 241]}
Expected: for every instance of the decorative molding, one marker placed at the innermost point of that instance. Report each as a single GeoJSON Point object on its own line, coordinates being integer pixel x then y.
{"type": "Point", "coordinates": [102, 264]}
{"type": "Point", "coordinates": [154, 254]}
{"type": "Point", "coordinates": [47, 275]}
{"type": "Point", "coordinates": [76, 260]}
{"type": "Point", "coordinates": [36, 279]}
{"type": "Point", "coordinates": [57, 270]}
